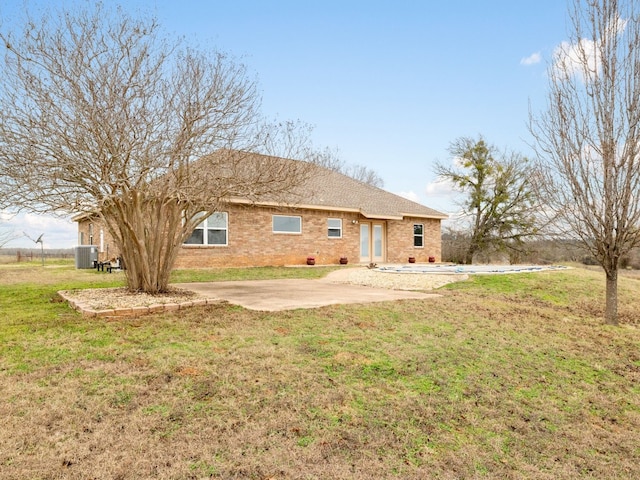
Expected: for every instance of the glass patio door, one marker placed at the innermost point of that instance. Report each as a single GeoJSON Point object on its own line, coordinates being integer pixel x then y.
{"type": "Point", "coordinates": [372, 242]}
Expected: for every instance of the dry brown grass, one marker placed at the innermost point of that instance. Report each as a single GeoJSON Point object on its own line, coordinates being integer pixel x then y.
{"type": "Point", "coordinates": [512, 377]}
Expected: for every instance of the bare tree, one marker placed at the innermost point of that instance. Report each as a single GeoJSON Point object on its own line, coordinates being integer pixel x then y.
{"type": "Point", "coordinates": [588, 138]}
{"type": "Point", "coordinates": [499, 204]}
{"type": "Point", "coordinates": [363, 174]}
{"type": "Point", "coordinates": [7, 235]}
{"type": "Point", "coordinates": [103, 114]}
{"type": "Point", "coordinates": [331, 160]}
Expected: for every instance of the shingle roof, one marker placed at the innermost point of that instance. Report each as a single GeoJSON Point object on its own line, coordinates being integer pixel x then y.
{"type": "Point", "coordinates": [328, 189]}
{"type": "Point", "coordinates": [322, 189]}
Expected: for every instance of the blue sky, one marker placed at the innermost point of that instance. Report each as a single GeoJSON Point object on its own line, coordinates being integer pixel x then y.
{"type": "Point", "coordinates": [388, 83]}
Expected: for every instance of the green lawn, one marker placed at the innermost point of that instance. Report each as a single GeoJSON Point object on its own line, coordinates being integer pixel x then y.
{"type": "Point", "coordinates": [510, 376]}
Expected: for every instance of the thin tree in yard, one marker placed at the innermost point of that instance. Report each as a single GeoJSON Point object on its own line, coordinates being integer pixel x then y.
{"type": "Point", "coordinates": [499, 204]}
{"type": "Point", "coordinates": [103, 114]}
{"type": "Point", "coordinates": [588, 137]}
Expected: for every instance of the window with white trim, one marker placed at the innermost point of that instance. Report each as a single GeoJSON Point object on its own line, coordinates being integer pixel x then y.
{"type": "Point", "coordinates": [334, 227]}
{"type": "Point", "coordinates": [287, 224]}
{"type": "Point", "coordinates": [211, 231]}
{"type": "Point", "coordinates": [418, 235]}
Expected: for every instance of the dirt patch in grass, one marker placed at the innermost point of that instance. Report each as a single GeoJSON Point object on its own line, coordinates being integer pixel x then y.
{"type": "Point", "coordinates": [494, 380]}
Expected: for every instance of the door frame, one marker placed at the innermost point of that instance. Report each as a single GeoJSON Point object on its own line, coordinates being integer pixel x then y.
{"type": "Point", "coordinates": [372, 232]}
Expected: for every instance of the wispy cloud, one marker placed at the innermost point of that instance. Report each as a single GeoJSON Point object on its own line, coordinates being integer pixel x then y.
{"type": "Point", "coordinates": [531, 59]}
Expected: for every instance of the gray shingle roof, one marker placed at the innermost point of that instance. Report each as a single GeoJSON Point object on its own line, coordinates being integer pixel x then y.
{"type": "Point", "coordinates": [327, 189]}
{"type": "Point", "coordinates": [322, 189]}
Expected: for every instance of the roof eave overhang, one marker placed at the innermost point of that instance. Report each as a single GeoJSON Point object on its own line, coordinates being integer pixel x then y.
{"type": "Point", "coordinates": [379, 216]}
{"type": "Point", "coordinates": [83, 216]}
{"type": "Point", "coordinates": [439, 216]}
{"type": "Point", "coordinates": [303, 206]}
{"type": "Point", "coordinates": [241, 201]}
{"type": "Point", "coordinates": [372, 216]}
{"type": "Point", "coordinates": [330, 208]}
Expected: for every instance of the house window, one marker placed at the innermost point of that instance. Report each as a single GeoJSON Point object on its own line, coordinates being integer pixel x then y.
{"type": "Point", "coordinates": [287, 224]}
{"type": "Point", "coordinates": [212, 231]}
{"type": "Point", "coordinates": [418, 235]}
{"type": "Point", "coordinates": [334, 227]}
{"type": "Point", "coordinates": [91, 234]}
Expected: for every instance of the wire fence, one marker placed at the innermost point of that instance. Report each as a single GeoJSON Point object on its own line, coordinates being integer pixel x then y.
{"type": "Point", "coordinates": [19, 255]}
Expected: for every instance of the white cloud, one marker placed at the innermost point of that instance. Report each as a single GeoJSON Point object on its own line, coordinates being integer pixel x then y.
{"type": "Point", "coordinates": [410, 195]}
{"type": "Point", "coordinates": [442, 195]}
{"type": "Point", "coordinates": [458, 162]}
{"type": "Point", "coordinates": [441, 188]}
{"type": "Point", "coordinates": [576, 59]}
{"type": "Point", "coordinates": [531, 59]}
{"type": "Point", "coordinates": [571, 59]}
{"type": "Point", "coordinates": [58, 233]}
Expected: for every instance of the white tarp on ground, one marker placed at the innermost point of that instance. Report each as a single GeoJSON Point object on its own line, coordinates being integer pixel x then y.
{"type": "Point", "coordinates": [468, 269]}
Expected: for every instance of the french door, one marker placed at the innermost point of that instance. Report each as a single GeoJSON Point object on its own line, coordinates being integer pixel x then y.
{"type": "Point", "coordinates": [372, 242]}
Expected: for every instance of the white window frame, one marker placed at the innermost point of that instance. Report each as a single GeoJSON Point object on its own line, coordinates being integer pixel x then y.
{"type": "Point", "coordinates": [420, 235]}
{"type": "Point", "coordinates": [204, 226]}
{"type": "Point", "coordinates": [338, 228]}
{"type": "Point", "coordinates": [286, 232]}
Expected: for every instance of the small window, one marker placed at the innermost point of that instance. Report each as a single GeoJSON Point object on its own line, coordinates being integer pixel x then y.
{"type": "Point", "coordinates": [286, 224]}
{"type": "Point", "coordinates": [212, 231]}
{"type": "Point", "coordinates": [334, 227]}
{"type": "Point", "coordinates": [418, 235]}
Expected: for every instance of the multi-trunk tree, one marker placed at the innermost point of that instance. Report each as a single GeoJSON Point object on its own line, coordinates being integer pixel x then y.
{"type": "Point", "coordinates": [588, 137]}
{"type": "Point", "coordinates": [101, 113]}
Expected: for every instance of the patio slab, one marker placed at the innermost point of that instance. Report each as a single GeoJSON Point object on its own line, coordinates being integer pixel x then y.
{"type": "Point", "coordinates": [289, 294]}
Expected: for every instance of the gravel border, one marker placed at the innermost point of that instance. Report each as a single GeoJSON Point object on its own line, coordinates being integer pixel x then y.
{"type": "Point", "coordinates": [119, 302]}
{"type": "Point", "coordinates": [392, 279]}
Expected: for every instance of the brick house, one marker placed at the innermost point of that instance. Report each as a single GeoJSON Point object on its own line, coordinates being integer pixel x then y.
{"type": "Point", "coordinates": [335, 216]}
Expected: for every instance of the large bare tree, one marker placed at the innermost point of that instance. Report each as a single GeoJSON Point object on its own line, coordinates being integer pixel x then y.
{"type": "Point", "coordinates": [102, 113]}
{"type": "Point", "coordinates": [499, 207]}
{"type": "Point", "coordinates": [588, 138]}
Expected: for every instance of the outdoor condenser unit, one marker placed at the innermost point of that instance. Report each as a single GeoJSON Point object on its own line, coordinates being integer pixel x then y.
{"type": "Point", "coordinates": [86, 255]}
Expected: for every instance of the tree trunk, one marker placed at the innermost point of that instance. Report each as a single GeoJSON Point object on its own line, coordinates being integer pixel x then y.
{"type": "Point", "coordinates": [148, 233]}
{"type": "Point", "coordinates": [611, 309]}
{"type": "Point", "coordinates": [474, 247]}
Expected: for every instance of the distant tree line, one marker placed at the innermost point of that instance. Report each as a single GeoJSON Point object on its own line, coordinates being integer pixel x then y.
{"type": "Point", "coordinates": [455, 244]}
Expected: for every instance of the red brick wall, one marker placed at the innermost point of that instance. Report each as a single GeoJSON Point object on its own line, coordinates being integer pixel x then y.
{"type": "Point", "coordinates": [251, 241]}
{"type": "Point", "coordinates": [400, 240]}
{"type": "Point", "coordinates": [108, 250]}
